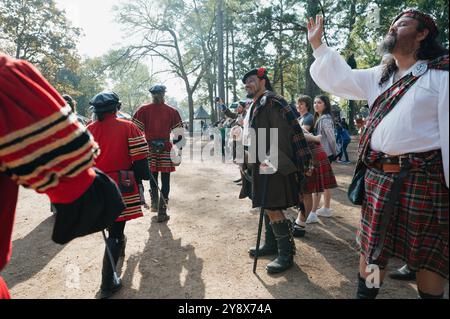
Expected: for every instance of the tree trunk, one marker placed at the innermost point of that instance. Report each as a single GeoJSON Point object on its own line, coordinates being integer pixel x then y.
{"type": "Point", "coordinates": [220, 49]}
{"type": "Point", "coordinates": [233, 61]}
{"type": "Point", "coordinates": [227, 64]}
{"type": "Point", "coordinates": [351, 104]}
{"type": "Point", "coordinates": [352, 63]}
{"type": "Point", "coordinates": [280, 49]}
{"type": "Point", "coordinates": [311, 87]}
{"type": "Point", "coordinates": [191, 112]}
{"type": "Point", "coordinates": [210, 83]}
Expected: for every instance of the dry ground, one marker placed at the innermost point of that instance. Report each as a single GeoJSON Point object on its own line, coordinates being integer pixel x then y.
{"type": "Point", "coordinates": [200, 253]}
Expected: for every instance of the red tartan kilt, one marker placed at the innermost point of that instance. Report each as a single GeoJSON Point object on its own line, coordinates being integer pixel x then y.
{"type": "Point", "coordinates": [323, 176]}
{"type": "Point", "coordinates": [132, 201]}
{"type": "Point", "coordinates": [418, 230]}
{"type": "Point", "coordinates": [160, 162]}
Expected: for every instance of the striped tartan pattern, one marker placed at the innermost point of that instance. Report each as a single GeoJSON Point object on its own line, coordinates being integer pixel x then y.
{"type": "Point", "coordinates": [323, 176]}
{"type": "Point", "coordinates": [133, 207]}
{"type": "Point", "coordinates": [160, 162]}
{"type": "Point", "coordinates": [139, 124]}
{"type": "Point", "coordinates": [138, 148]}
{"type": "Point", "coordinates": [56, 146]}
{"type": "Point", "coordinates": [419, 228]}
{"type": "Point", "coordinates": [132, 201]}
{"type": "Point", "coordinates": [302, 153]}
{"type": "Point", "coordinates": [386, 102]}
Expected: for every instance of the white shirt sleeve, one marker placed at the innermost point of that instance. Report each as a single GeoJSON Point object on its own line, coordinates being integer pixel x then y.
{"type": "Point", "coordinates": [443, 117]}
{"type": "Point", "coordinates": [333, 75]}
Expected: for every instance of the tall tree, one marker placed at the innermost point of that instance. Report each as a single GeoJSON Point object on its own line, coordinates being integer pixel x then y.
{"type": "Point", "coordinates": [168, 30]}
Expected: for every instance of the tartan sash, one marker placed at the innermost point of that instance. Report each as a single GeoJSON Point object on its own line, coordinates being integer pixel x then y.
{"type": "Point", "coordinates": [381, 107]}
{"type": "Point", "coordinates": [302, 153]}
{"type": "Point", "coordinates": [386, 102]}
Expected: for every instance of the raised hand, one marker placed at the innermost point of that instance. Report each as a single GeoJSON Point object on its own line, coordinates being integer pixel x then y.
{"type": "Point", "coordinates": [315, 31]}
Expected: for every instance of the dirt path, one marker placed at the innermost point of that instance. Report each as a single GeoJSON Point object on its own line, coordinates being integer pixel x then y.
{"type": "Point", "coordinates": [200, 253]}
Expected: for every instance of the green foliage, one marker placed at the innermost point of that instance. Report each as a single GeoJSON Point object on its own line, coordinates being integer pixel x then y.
{"type": "Point", "coordinates": [35, 30]}
{"type": "Point", "coordinates": [182, 34]}
{"type": "Point", "coordinates": [131, 83]}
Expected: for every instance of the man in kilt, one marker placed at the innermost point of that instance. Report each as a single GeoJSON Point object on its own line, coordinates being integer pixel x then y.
{"type": "Point", "coordinates": [123, 157]}
{"type": "Point", "coordinates": [275, 187]}
{"type": "Point", "coordinates": [159, 122]}
{"type": "Point", "coordinates": [404, 149]}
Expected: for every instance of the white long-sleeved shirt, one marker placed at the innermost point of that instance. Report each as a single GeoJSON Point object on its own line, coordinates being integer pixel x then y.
{"type": "Point", "coordinates": [418, 123]}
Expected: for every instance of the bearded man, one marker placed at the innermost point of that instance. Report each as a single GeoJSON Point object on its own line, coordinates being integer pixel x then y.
{"type": "Point", "coordinates": [404, 150]}
{"type": "Point", "coordinates": [279, 166]}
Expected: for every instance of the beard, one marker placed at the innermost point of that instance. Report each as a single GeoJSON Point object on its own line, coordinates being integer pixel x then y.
{"type": "Point", "coordinates": [388, 44]}
{"type": "Point", "coordinates": [250, 95]}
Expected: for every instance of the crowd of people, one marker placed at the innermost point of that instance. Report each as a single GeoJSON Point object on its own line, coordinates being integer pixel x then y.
{"type": "Point", "coordinates": [401, 178]}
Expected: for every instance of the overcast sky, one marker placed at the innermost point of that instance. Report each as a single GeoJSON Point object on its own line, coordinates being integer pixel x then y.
{"type": "Point", "coordinates": [97, 21]}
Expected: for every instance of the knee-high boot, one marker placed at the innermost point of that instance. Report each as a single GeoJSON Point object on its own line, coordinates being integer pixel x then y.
{"type": "Point", "coordinates": [109, 287]}
{"type": "Point", "coordinates": [269, 247]}
{"type": "Point", "coordinates": [286, 247]}
{"type": "Point", "coordinates": [154, 197]}
{"type": "Point", "coordinates": [162, 211]}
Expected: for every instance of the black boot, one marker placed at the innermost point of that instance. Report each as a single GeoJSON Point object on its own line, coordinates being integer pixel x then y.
{"type": "Point", "coordinates": [154, 196]}
{"type": "Point", "coordinates": [109, 287]}
{"type": "Point", "coordinates": [162, 211]}
{"type": "Point", "coordinates": [364, 292]}
{"type": "Point", "coordinates": [286, 247]}
{"type": "Point", "coordinates": [270, 244]}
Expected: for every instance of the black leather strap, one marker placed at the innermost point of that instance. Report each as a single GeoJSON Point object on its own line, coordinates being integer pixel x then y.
{"type": "Point", "coordinates": [389, 209]}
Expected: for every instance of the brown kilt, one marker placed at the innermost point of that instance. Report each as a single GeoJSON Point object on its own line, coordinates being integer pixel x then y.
{"type": "Point", "coordinates": [418, 230]}
{"type": "Point", "coordinates": [323, 176]}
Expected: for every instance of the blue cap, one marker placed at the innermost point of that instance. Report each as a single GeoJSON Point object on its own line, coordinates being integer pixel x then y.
{"type": "Point", "coordinates": [159, 88]}
{"type": "Point", "coordinates": [105, 102]}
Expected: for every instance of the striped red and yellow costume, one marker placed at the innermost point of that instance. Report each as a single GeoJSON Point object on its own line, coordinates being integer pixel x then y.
{"type": "Point", "coordinates": [121, 143]}
{"type": "Point", "coordinates": [157, 121]}
{"type": "Point", "coordinates": [42, 146]}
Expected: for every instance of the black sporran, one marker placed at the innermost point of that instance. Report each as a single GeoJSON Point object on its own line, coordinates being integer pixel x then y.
{"type": "Point", "coordinates": [158, 146]}
{"type": "Point", "coordinates": [356, 190]}
{"type": "Point", "coordinates": [126, 182]}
